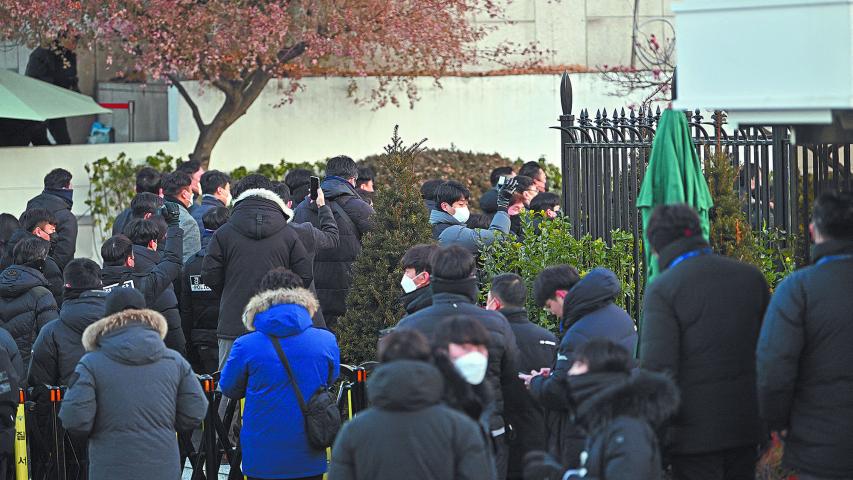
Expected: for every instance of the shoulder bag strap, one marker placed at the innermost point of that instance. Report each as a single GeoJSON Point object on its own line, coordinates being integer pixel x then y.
{"type": "Point", "coordinates": [283, 358]}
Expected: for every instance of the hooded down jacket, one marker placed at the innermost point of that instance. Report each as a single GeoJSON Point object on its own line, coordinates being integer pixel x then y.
{"type": "Point", "coordinates": [273, 434]}
{"type": "Point", "coordinates": [333, 266]}
{"type": "Point", "coordinates": [621, 415]}
{"type": "Point", "coordinates": [255, 240]}
{"type": "Point", "coordinates": [26, 305]}
{"type": "Point", "coordinates": [408, 433]}
{"type": "Point", "coordinates": [131, 391]}
{"type": "Point", "coordinates": [588, 313]}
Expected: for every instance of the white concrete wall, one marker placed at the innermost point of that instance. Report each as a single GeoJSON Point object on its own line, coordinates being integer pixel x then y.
{"type": "Point", "coordinates": [509, 115]}
{"type": "Point", "coordinates": [24, 169]}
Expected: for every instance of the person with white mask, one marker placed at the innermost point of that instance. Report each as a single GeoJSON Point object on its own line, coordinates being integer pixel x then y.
{"type": "Point", "coordinates": [417, 292]}
{"type": "Point", "coordinates": [410, 431]}
{"type": "Point", "coordinates": [451, 212]}
{"type": "Point", "coordinates": [455, 293]}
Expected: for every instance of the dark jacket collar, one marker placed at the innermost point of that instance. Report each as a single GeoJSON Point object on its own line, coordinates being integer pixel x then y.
{"type": "Point", "coordinates": [680, 247]}
{"type": "Point", "coordinates": [515, 314]}
{"type": "Point", "coordinates": [208, 199]}
{"type": "Point", "coordinates": [832, 247]}
{"type": "Point", "coordinates": [417, 300]}
{"type": "Point", "coordinates": [465, 288]}
{"type": "Point", "coordinates": [64, 194]}
{"type": "Point", "coordinates": [144, 259]}
{"type": "Point", "coordinates": [170, 198]}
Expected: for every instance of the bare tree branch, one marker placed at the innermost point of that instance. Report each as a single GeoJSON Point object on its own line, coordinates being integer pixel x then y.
{"type": "Point", "coordinates": [187, 98]}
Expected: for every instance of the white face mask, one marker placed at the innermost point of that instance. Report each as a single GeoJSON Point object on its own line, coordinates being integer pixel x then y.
{"type": "Point", "coordinates": [408, 284]}
{"type": "Point", "coordinates": [472, 366]}
{"type": "Point", "coordinates": [462, 214]}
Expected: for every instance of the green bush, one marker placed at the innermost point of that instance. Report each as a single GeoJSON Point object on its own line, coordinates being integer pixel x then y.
{"type": "Point", "coordinates": [278, 171]}
{"type": "Point", "coordinates": [112, 184]}
{"type": "Point", "coordinates": [400, 222]}
{"type": "Point", "coordinates": [550, 244]}
{"type": "Point", "coordinates": [470, 169]}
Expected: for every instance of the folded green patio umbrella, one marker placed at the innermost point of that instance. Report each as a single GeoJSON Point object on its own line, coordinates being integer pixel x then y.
{"type": "Point", "coordinates": [26, 98]}
{"type": "Point", "coordinates": [674, 175]}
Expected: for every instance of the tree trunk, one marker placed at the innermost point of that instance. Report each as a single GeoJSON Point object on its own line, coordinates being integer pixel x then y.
{"type": "Point", "coordinates": [239, 96]}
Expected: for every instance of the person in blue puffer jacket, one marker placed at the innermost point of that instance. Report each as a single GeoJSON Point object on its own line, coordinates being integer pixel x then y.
{"type": "Point", "coordinates": [273, 435]}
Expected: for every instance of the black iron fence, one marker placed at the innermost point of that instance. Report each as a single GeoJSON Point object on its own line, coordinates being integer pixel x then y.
{"type": "Point", "coordinates": [605, 154]}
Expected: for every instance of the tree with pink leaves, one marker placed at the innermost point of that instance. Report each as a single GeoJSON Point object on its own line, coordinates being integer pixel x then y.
{"type": "Point", "coordinates": [238, 46]}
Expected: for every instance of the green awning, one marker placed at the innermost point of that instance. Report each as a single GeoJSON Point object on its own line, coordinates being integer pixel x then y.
{"type": "Point", "coordinates": [26, 98]}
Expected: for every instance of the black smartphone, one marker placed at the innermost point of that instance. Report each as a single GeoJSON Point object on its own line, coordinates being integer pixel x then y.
{"type": "Point", "coordinates": [315, 185]}
{"type": "Point", "coordinates": [501, 181]}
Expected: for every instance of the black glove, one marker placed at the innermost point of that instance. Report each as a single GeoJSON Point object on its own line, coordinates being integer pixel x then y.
{"type": "Point", "coordinates": [171, 212]}
{"type": "Point", "coordinates": [506, 192]}
{"type": "Point", "coordinates": [538, 465]}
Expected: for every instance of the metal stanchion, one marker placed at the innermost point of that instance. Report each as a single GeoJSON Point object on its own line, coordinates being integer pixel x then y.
{"type": "Point", "coordinates": [22, 466]}
{"type": "Point", "coordinates": [58, 432]}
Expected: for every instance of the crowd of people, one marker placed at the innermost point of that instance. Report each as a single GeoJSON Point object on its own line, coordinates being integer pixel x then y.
{"type": "Point", "coordinates": [249, 279]}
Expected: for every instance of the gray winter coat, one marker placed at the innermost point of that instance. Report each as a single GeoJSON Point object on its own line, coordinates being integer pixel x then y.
{"type": "Point", "coordinates": [408, 433]}
{"type": "Point", "coordinates": [129, 395]}
{"type": "Point", "coordinates": [449, 231]}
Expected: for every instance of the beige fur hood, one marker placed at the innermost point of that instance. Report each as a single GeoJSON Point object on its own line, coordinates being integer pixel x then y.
{"type": "Point", "coordinates": [149, 318]}
{"type": "Point", "coordinates": [264, 300]}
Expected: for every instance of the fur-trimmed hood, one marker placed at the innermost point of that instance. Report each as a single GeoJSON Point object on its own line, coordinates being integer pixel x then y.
{"type": "Point", "coordinates": [600, 398]}
{"type": "Point", "coordinates": [130, 336]}
{"type": "Point", "coordinates": [282, 312]}
{"type": "Point", "coordinates": [146, 318]}
{"type": "Point", "coordinates": [266, 195]}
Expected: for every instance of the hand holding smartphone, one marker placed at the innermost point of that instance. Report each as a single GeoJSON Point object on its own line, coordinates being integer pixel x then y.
{"type": "Point", "coordinates": [315, 186]}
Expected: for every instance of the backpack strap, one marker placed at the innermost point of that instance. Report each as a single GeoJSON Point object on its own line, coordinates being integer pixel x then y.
{"type": "Point", "coordinates": [286, 363]}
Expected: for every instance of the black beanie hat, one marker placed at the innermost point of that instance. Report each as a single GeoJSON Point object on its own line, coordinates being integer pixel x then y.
{"type": "Point", "coordinates": [121, 299]}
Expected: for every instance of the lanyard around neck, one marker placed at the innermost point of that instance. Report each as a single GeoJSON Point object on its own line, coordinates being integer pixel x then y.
{"type": "Point", "coordinates": [685, 256]}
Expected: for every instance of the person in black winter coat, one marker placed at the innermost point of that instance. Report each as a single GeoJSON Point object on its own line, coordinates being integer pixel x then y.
{"type": "Point", "coordinates": [454, 293]}
{"type": "Point", "coordinates": [55, 64]}
{"type": "Point", "coordinates": [38, 222]}
{"type": "Point", "coordinates": [146, 235]}
{"type": "Point", "coordinates": [26, 304]}
{"type": "Point", "coordinates": [417, 268]}
{"type": "Point", "coordinates": [59, 347]}
{"type": "Point", "coordinates": [129, 395]}
{"type": "Point", "coordinates": [57, 198]}
{"type": "Point", "coordinates": [408, 433]}
{"type": "Point", "coordinates": [537, 350]}
{"type": "Point", "coordinates": [620, 412]}
{"type": "Point", "coordinates": [701, 319]}
{"type": "Point", "coordinates": [256, 239]}
{"type": "Point", "coordinates": [586, 310]}
{"type": "Point", "coordinates": [199, 303]}
{"type": "Point", "coordinates": [56, 352]}
{"type": "Point", "coordinates": [805, 384]}
{"type": "Point", "coordinates": [314, 239]}
{"type": "Point", "coordinates": [333, 267]}
{"type": "Point", "coordinates": [148, 180]}
{"type": "Point", "coordinates": [119, 269]}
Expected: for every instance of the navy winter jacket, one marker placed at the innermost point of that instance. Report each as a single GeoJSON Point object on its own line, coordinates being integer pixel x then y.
{"type": "Point", "coordinates": [273, 435]}
{"type": "Point", "coordinates": [588, 313]}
